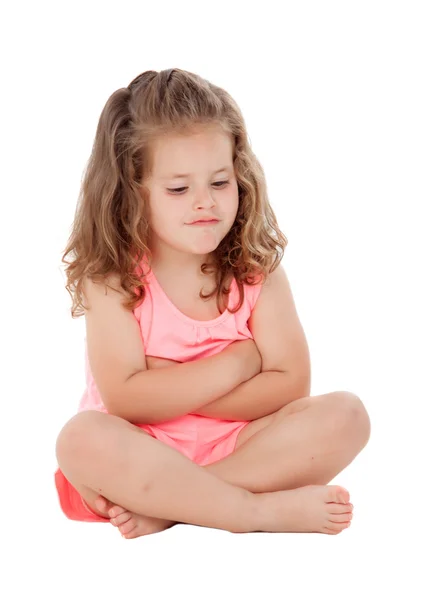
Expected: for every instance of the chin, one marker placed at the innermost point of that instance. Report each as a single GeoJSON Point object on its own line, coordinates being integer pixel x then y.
{"type": "Point", "coordinates": [202, 252]}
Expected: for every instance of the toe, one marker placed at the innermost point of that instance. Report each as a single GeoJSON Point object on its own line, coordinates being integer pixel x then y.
{"type": "Point", "coordinates": [121, 519]}
{"type": "Point", "coordinates": [335, 527]}
{"type": "Point", "coordinates": [102, 504]}
{"type": "Point", "coordinates": [338, 494]}
{"type": "Point", "coordinates": [344, 518]}
{"type": "Point", "coordinates": [115, 510]}
{"type": "Point", "coordinates": [334, 508]}
{"type": "Point", "coordinates": [330, 531]}
{"type": "Point", "coordinates": [343, 495]}
{"type": "Point", "coordinates": [127, 527]}
{"type": "Point", "coordinates": [133, 534]}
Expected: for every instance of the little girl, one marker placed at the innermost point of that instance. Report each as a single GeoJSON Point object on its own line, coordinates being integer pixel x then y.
{"type": "Point", "coordinates": [197, 406]}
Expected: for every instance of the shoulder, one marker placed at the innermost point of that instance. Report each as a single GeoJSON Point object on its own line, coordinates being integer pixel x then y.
{"type": "Point", "coordinates": [275, 294]}
{"type": "Point", "coordinates": [264, 290]}
{"type": "Point", "coordinates": [276, 283]}
{"type": "Point", "coordinates": [110, 286]}
{"type": "Point", "coordinates": [251, 291]}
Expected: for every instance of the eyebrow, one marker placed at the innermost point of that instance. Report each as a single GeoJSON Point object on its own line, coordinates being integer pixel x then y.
{"type": "Point", "coordinates": [188, 174]}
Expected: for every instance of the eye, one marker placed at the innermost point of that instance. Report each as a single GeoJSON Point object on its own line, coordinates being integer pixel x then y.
{"type": "Point", "coordinates": [217, 183]}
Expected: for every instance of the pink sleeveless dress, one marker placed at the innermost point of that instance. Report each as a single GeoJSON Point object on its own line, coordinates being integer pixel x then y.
{"type": "Point", "coordinates": [168, 333]}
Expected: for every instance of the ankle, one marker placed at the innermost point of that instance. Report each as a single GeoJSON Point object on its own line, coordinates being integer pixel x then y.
{"type": "Point", "coordinates": [253, 514]}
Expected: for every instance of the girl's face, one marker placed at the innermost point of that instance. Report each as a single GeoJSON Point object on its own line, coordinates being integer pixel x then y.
{"type": "Point", "coordinates": [193, 178]}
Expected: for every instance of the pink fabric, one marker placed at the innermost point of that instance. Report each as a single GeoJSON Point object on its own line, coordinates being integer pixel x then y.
{"type": "Point", "coordinates": [168, 333]}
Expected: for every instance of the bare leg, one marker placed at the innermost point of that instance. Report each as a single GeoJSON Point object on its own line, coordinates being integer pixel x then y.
{"type": "Point", "coordinates": [109, 456]}
{"type": "Point", "coordinates": [307, 442]}
{"type": "Point", "coordinates": [114, 458]}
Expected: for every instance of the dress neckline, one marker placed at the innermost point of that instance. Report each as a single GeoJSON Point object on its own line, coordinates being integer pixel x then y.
{"type": "Point", "coordinates": [196, 322]}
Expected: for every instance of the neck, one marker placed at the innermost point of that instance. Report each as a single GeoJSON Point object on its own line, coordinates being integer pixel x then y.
{"type": "Point", "coordinates": [178, 262]}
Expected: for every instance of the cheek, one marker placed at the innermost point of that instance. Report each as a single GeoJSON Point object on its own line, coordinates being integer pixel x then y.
{"type": "Point", "coordinates": [231, 205]}
{"type": "Point", "coordinates": [165, 217]}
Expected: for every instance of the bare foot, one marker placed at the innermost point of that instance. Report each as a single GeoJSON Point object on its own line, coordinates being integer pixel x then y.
{"type": "Point", "coordinates": [312, 508]}
{"type": "Point", "coordinates": [131, 525]}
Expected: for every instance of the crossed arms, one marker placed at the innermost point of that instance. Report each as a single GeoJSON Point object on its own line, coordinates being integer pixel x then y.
{"type": "Point", "coordinates": [246, 381]}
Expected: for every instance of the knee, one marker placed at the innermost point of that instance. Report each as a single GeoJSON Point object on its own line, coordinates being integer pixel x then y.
{"type": "Point", "coordinates": [78, 435]}
{"type": "Point", "coordinates": [351, 416]}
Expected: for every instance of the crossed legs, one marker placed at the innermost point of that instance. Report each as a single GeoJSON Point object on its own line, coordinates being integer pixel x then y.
{"type": "Point", "coordinates": [307, 442]}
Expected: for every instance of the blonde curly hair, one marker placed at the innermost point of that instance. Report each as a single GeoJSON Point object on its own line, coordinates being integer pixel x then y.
{"type": "Point", "coordinates": [110, 231]}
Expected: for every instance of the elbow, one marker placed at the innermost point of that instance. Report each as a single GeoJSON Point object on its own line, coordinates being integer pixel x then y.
{"type": "Point", "coordinates": [116, 403]}
{"type": "Point", "coordinates": [116, 400]}
{"type": "Point", "coordinates": [114, 407]}
{"type": "Point", "coordinates": [121, 410]}
{"type": "Point", "coordinates": [300, 383]}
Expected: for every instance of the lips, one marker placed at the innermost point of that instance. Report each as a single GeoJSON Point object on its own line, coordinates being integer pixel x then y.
{"type": "Point", "coordinates": [201, 221]}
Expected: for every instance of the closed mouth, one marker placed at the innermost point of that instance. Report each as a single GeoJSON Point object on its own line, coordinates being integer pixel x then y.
{"type": "Point", "coordinates": [204, 221]}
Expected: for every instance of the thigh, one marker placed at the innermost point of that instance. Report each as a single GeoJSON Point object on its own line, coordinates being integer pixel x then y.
{"type": "Point", "coordinates": [259, 424]}
{"type": "Point", "coordinates": [252, 428]}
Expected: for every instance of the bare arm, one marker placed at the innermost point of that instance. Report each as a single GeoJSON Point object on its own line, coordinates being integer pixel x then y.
{"type": "Point", "coordinates": [262, 395]}
{"type": "Point", "coordinates": [155, 395]}
{"type": "Point", "coordinates": [285, 372]}
{"type": "Point", "coordinates": [161, 394]}
{"type": "Point", "coordinates": [117, 359]}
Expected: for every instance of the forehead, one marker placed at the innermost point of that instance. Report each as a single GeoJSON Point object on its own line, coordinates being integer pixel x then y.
{"type": "Point", "coordinates": [225, 169]}
{"type": "Point", "coordinates": [186, 155]}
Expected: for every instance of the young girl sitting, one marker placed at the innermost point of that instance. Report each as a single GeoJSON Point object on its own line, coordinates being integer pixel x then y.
{"type": "Point", "coordinates": [197, 407]}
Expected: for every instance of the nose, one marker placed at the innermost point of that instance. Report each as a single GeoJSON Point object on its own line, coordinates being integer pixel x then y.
{"type": "Point", "coordinates": [204, 200]}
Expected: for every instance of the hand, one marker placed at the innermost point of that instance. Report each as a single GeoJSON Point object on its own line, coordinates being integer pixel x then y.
{"type": "Point", "coordinates": [155, 362]}
{"type": "Point", "coordinates": [248, 356]}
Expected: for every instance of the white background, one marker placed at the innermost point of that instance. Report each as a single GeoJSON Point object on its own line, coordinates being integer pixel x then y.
{"type": "Point", "coordinates": [334, 95]}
